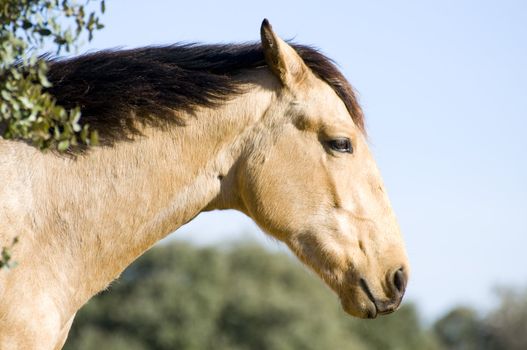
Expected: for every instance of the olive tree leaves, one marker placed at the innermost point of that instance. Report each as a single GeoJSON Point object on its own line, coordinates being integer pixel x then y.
{"type": "Point", "coordinates": [26, 111]}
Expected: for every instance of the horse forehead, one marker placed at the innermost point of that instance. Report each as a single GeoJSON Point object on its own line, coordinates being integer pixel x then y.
{"type": "Point", "coordinates": [319, 101]}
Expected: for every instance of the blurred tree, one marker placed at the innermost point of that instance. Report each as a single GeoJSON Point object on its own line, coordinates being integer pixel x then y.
{"type": "Point", "coordinates": [27, 112]}
{"type": "Point", "coordinates": [180, 297]}
{"type": "Point", "coordinates": [463, 329]}
{"type": "Point", "coordinates": [402, 330]}
{"type": "Point", "coordinates": [508, 323]}
{"type": "Point", "coordinates": [504, 328]}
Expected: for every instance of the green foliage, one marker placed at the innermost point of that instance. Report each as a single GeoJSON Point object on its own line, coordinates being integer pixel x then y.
{"type": "Point", "coordinates": [26, 111]}
{"type": "Point", "coordinates": [401, 330]}
{"type": "Point", "coordinates": [503, 328]}
{"type": "Point", "coordinates": [462, 329]}
{"type": "Point", "coordinates": [5, 256]}
{"type": "Point", "coordinates": [180, 297]}
{"type": "Point", "coordinates": [508, 323]}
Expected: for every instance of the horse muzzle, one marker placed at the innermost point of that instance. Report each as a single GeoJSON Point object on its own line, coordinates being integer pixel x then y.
{"type": "Point", "coordinates": [368, 304]}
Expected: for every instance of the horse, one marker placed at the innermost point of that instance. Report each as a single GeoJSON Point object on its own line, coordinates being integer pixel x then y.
{"type": "Point", "coordinates": [271, 129]}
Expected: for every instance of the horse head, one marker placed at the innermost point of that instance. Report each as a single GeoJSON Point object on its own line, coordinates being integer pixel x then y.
{"type": "Point", "coordinates": [308, 179]}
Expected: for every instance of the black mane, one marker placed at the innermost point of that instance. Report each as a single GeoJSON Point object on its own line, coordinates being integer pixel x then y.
{"type": "Point", "coordinates": [116, 88]}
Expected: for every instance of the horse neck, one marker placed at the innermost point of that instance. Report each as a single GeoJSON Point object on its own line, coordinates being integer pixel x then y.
{"type": "Point", "coordinates": [100, 211]}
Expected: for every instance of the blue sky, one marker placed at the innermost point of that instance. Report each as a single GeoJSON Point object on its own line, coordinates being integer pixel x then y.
{"type": "Point", "coordinates": [444, 88]}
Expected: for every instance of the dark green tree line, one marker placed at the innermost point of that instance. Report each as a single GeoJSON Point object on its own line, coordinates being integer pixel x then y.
{"type": "Point", "coordinates": [504, 328]}
{"type": "Point", "coordinates": [178, 296]}
{"type": "Point", "coordinates": [181, 297]}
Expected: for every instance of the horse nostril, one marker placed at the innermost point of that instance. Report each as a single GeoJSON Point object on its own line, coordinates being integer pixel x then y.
{"type": "Point", "coordinates": [399, 281]}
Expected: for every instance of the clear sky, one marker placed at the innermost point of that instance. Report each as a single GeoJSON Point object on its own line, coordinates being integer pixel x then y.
{"type": "Point", "coordinates": [444, 88]}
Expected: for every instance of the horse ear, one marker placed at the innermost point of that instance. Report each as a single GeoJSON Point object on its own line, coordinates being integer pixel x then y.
{"type": "Point", "coordinates": [281, 58]}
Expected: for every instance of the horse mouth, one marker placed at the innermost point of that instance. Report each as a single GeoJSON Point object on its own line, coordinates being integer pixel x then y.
{"type": "Point", "coordinates": [379, 307]}
{"type": "Point", "coordinates": [371, 312]}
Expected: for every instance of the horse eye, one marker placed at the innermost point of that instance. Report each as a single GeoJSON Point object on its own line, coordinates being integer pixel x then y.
{"type": "Point", "coordinates": [341, 144]}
